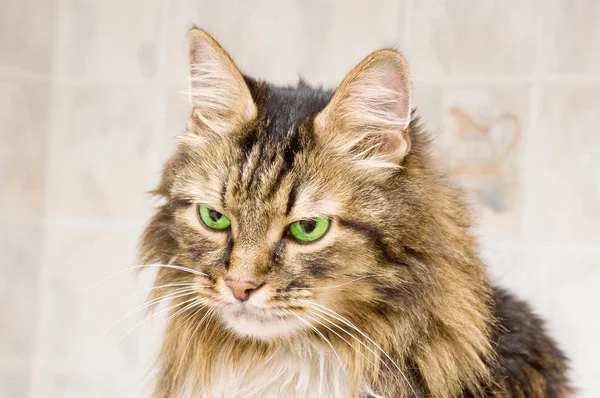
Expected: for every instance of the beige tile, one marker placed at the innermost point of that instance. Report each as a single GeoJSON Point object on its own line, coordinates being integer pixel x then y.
{"type": "Point", "coordinates": [260, 48]}
{"type": "Point", "coordinates": [75, 316]}
{"type": "Point", "coordinates": [280, 40]}
{"type": "Point", "coordinates": [99, 151]}
{"type": "Point", "coordinates": [571, 301]}
{"type": "Point", "coordinates": [24, 118]}
{"type": "Point", "coordinates": [464, 37]}
{"type": "Point", "coordinates": [428, 102]}
{"type": "Point", "coordinates": [567, 166]}
{"type": "Point", "coordinates": [27, 35]}
{"type": "Point", "coordinates": [14, 381]}
{"type": "Point", "coordinates": [90, 383]}
{"type": "Point", "coordinates": [109, 39]}
{"type": "Point", "coordinates": [176, 114]}
{"type": "Point", "coordinates": [508, 269]}
{"type": "Point", "coordinates": [20, 248]}
{"type": "Point", "coordinates": [481, 146]}
{"type": "Point", "coordinates": [570, 37]}
{"type": "Point", "coordinates": [338, 34]}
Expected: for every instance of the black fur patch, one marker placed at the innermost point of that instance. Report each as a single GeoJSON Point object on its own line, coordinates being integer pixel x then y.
{"type": "Point", "coordinates": [291, 200]}
{"type": "Point", "coordinates": [294, 285]}
{"type": "Point", "coordinates": [227, 252]}
{"type": "Point", "coordinates": [373, 235]}
{"type": "Point", "coordinates": [320, 267]}
{"type": "Point", "coordinates": [247, 145]}
{"type": "Point", "coordinates": [528, 360]}
{"type": "Point", "coordinates": [389, 292]}
{"type": "Point", "coordinates": [278, 133]}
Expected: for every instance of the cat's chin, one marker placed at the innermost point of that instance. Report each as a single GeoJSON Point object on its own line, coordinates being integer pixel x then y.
{"type": "Point", "coordinates": [250, 325]}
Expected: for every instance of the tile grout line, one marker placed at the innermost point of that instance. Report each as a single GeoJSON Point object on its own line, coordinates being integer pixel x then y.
{"type": "Point", "coordinates": [8, 72]}
{"type": "Point", "coordinates": [449, 81]}
{"type": "Point", "coordinates": [89, 223]}
{"type": "Point", "coordinates": [161, 102]}
{"type": "Point", "coordinates": [153, 156]}
{"type": "Point", "coordinates": [517, 79]}
{"type": "Point", "coordinates": [528, 178]}
{"type": "Point", "coordinates": [548, 246]}
{"type": "Point", "coordinates": [44, 271]}
{"type": "Point", "coordinates": [408, 6]}
{"type": "Point", "coordinates": [15, 362]}
{"type": "Point", "coordinates": [527, 217]}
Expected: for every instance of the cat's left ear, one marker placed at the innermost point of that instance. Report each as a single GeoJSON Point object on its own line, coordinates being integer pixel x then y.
{"type": "Point", "coordinates": [220, 96]}
{"type": "Point", "coordinates": [369, 114]}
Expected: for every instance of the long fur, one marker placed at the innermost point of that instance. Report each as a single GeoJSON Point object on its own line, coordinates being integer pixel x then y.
{"type": "Point", "coordinates": [392, 301]}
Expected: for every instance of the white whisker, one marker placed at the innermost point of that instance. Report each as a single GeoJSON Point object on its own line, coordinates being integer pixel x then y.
{"type": "Point", "coordinates": [189, 284]}
{"type": "Point", "coordinates": [169, 296]}
{"type": "Point", "coordinates": [375, 354]}
{"type": "Point", "coordinates": [336, 286]}
{"type": "Point", "coordinates": [152, 316]}
{"type": "Point", "coordinates": [186, 320]}
{"type": "Point", "coordinates": [187, 346]}
{"type": "Point", "coordinates": [204, 300]}
{"type": "Point", "coordinates": [177, 267]}
{"type": "Point", "coordinates": [342, 319]}
{"type": "Point", "coordinates": [322, 336]}
{"type": "Point", "coordinates": [186, 308]}
{"type": "Point", "coordinates": [334, 332]}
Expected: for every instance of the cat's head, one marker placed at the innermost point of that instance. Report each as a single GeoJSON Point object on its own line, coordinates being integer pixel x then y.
{"type": "Point", "coordinates": [288, 207]}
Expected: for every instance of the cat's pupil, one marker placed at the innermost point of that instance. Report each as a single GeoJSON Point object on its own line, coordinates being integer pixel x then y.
{"type": "Point", "coordinates": [308, 225]}
{"type": "Point", "coordinates": [214, 215]}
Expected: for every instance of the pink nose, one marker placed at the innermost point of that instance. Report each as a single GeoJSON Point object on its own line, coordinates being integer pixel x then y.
{"type": "Point", "coordinates": [241, 290]}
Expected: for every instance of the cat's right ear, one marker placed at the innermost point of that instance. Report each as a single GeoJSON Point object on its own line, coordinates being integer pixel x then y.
{"type": "Point", "coordinates": [220, 97]}
{"type": "Point", "coordinates": [369, 114]}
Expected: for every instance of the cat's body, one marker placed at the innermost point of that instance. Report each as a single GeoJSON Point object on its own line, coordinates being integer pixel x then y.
{"type": "Point", "coordinates": [390, 299]}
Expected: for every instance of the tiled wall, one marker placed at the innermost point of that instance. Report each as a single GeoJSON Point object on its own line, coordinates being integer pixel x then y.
{"type": "Point", "coordinates": [90, 103]}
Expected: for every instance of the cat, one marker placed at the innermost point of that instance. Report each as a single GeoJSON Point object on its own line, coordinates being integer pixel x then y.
{"type": "Point", "coordinates": [310, 247]}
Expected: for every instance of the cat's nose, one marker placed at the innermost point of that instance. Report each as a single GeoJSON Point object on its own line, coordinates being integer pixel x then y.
{"type": "Point", "coordinates": [241, 290]}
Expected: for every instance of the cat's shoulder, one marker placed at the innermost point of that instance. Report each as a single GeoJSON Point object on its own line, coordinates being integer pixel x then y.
{"type": "Point", "coordinates": [528, 361]}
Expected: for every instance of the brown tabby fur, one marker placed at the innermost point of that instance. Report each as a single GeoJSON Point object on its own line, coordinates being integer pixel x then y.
{"type": "Point", "coordinates": [424, 296]}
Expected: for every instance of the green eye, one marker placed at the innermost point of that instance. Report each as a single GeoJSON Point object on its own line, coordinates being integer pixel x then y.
{"type": "Point", "coordinates": [310, 230]}
{"type": "Point", "coordinates": [213, 219]}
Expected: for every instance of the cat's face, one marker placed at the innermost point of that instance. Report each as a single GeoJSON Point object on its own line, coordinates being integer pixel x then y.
{"type": "Point", "coordinates": [276, 222]}
{"type": "Point", "coordinates": [280, 199]}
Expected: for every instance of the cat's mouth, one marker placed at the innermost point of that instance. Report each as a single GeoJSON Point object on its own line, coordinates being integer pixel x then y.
{"type": "Point", "coordinates": [259, 323]}
{"type": "Point", "coordinates": [259, 317]}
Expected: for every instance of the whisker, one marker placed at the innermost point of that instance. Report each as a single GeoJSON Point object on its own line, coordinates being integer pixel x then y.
{"type": "Point", "coordinates": [375, 354]}
{"type": "Point", "coordinates": [186, 308]}
{"type": "Point", "coordinates": [170, 296]}
{"type": "Point", "coordinates": [189, 318]}
{"type": "Point", "coordinates": [187, 346]}
{"type": "Point", "coordinates": [338, 335]}
{"type": "Point", "coordinates": [322, 336]}
{"type": "Point", "coordinates": [337, 286]}
{"type": "Point", "coordinates": [193, 313]}
{"type": "Point", "coordinates": [189, 284]}
{"type": "Point", "coordinates": [342, 319]}
{"type": "Point", "coordinates": [152, 316]}
{"type": "Point", "coordinates": [177, 267]}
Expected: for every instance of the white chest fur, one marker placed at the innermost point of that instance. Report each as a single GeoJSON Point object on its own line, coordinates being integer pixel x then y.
{"type": "Point", "coordinates": [283, 374]}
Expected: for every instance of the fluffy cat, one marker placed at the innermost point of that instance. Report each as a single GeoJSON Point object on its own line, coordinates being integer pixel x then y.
{"type": "Point", "coordinates": [311, 248]}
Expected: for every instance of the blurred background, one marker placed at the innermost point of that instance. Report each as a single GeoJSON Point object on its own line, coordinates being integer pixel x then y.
{"type": "Point", "coordinates": [90, 102]}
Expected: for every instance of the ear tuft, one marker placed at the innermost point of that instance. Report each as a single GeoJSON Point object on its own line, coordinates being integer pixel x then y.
{"type": "Point", "coordinates": [220, 96]}
{"type": "Point", "coordinates": [370, 112]}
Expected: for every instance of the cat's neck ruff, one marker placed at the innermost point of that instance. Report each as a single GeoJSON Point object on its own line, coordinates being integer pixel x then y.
{"type": "Point", "coordinates": [302, 370]}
